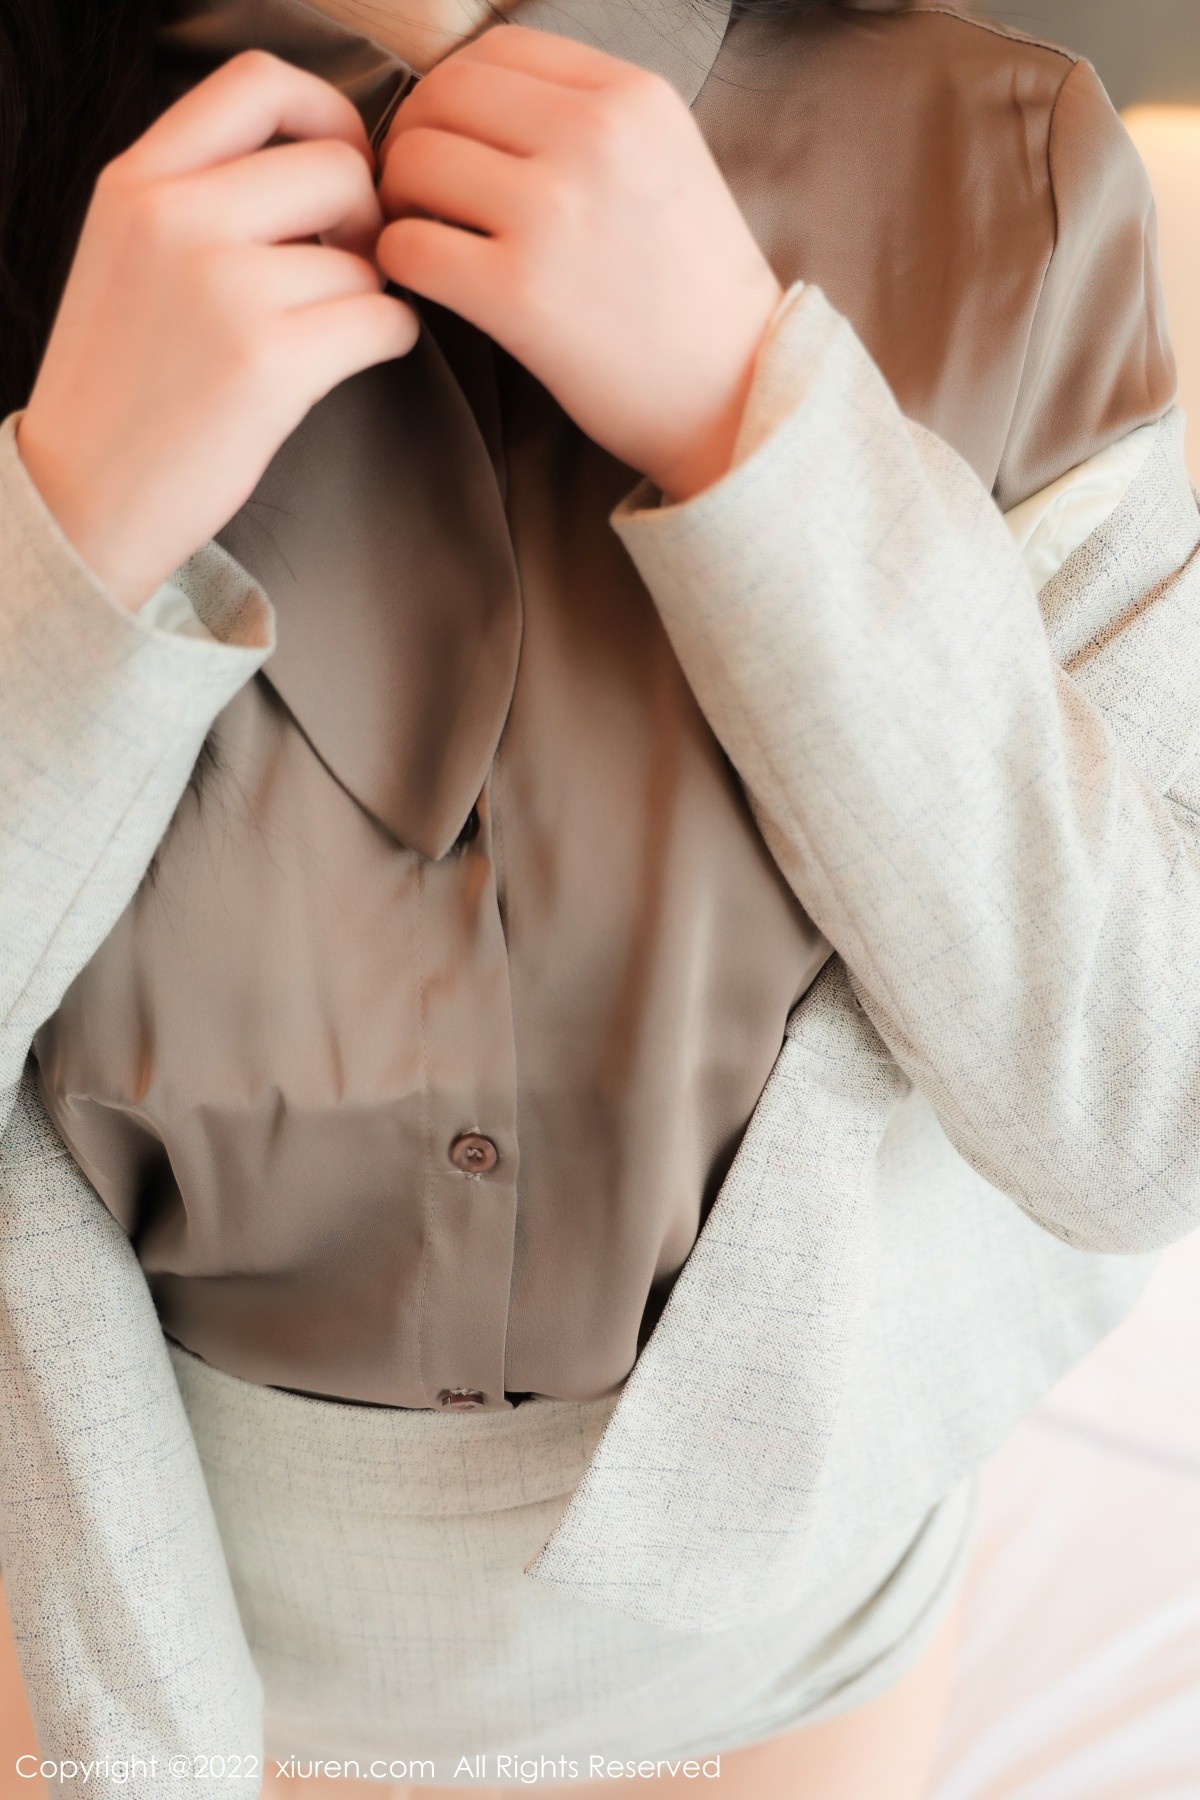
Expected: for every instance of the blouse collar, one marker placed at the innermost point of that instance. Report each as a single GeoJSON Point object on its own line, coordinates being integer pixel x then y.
{"type": "Point", "coordinates": [379, 528]}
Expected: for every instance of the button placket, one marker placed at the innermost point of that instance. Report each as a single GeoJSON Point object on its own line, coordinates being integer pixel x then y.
{"type": "Point", "coordinates": [470, 1202]}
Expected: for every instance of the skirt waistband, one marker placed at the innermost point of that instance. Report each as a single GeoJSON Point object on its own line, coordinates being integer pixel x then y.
{"type": "Point", "coordinates": [394, 1461]}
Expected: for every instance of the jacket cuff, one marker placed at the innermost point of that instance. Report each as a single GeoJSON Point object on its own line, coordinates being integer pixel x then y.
{"type": "Point", "coordinates": [172, 665]}
{"type": "Point", "coordinates": [169, 609]}
{"type": "Point", "coordinates": [1048, 527]}
{"type": "Point", "coordinates": [783, 369]}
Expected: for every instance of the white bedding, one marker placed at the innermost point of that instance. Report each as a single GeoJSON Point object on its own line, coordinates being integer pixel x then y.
{"type": "Point", "coordinates": [1078, 1671]}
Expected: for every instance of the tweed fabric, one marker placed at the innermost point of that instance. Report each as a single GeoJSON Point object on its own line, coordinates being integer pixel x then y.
{"type": "Point", "coordinates": [125, 1623]}
{"type": "Point", "coordinates": [1005, 853]}
{"type": "Point", "coordinates": [124, 1618]}
{"type": "Point", "coordinates": [962, 812]}
{"type": "Point", "coordinates": [377, 1554]}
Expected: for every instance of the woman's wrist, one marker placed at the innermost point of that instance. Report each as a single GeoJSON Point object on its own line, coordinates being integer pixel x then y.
{"type": "Point", "coordinates": [90, 545]}
{"type": "Point", "coordinates": [687, 467]}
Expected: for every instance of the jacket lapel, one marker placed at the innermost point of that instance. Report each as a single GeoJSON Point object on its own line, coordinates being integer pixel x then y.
{"type": "Point", "coordinates": [697, 1504]}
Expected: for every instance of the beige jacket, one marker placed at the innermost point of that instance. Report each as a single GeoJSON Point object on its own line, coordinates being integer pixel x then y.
{"type": "Point", "coordinates": [978, 762]}
{"type": "Point", "coordinates": [966, 1155]}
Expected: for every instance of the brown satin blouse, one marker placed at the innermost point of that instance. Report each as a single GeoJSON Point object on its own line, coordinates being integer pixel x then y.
{"type": "Point", "coordinates": [412, 1068]}
{"type": "Point", "coordinates": [418, 1058]}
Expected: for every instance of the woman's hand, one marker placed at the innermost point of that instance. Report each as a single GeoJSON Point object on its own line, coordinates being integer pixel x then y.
{"type": "Point", "coordinates": [197, 327]}
{"type": "Point", "coordinates": [565, 202]}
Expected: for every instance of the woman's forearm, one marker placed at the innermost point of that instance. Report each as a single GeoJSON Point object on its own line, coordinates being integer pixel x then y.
{"type": "Point", "coordinates": [1001, 849]}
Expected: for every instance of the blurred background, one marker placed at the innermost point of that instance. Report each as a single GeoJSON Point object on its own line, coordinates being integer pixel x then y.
{"type": "Point", "coordinates": [1078, 1675]}
{"type": "Point", "coordinates": [1144, 49]}
{"type": "Point", "coordinates": [1148, 55]}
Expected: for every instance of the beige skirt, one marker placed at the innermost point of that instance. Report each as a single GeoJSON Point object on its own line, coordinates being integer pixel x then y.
{"type": "Point", "coordinates": [377, 1557]}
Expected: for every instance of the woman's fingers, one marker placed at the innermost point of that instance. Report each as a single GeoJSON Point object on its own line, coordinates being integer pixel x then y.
{"type": "Point", "coordinates": [198, 326]}
{"type": "Point", "coordinates": [508, 108]}
{"type": "Point", "coordinates": [454, 178]}
{"type": "Point", "coordinates": [546, 54]}
{"type": "Point", "coordinates": [461, 270]}
{"type": "Point", "coordinates": [238, 108]}
{"type": "Point", "coordinates": [288, 191]}
{"type": "Point", "coordinates": [338, 338]}
{"type": "Point", "coordinates": [627, 280]}
{"type": "Point", "coordinates": [282, 277]}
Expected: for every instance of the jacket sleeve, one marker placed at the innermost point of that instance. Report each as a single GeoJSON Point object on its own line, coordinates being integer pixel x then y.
{"type": "Point", "coordinates": [988, 799]}
{"type": "Point", "coordinates": [122, 1611]}
{"type": "Point", "coordinates": [102, 715]}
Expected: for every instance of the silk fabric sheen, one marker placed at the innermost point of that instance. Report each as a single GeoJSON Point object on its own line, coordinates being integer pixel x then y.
{"type": "Point", "coordinates": [264, 1066]}
{"type": "Point", "coordinates": [316, 989]}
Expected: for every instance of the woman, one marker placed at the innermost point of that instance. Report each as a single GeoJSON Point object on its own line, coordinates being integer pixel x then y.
{"type": "Point", "coordinates": [746, 888]}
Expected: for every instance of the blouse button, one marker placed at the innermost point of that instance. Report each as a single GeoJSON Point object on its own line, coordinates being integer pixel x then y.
{"type": "Point", "coordinates": [473, 1153]}
{"type": "Point", "coordinates": [461, 1399]}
